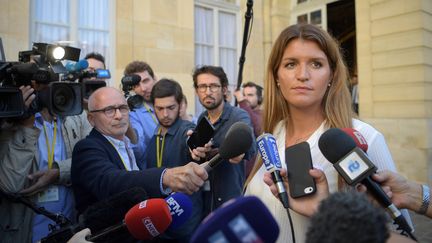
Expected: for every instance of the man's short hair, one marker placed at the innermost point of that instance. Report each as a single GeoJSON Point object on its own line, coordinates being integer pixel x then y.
{"type": "Point", "coordinates": [259, 90]}
{"type": "Point", "coordinates": [348, 217]}
{"type": "Point", "coordinates": [166, 88]}
{"type": "Point", "coordinates": [213, 70]}
{"type": "Point", "coordinates": [138, 67]}
{"type": "Point", "coordinates": [96, 56]}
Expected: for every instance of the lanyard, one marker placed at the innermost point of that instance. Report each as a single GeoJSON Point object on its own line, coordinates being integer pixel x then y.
{"type": "Point", "coordinates": [121, 157]}
{"type": "Point", "coordinates": [151, 113]}
{"type": "Point", "coordinates": [159, 149]}
{"type": "Point", "coordinates": [50, 151]}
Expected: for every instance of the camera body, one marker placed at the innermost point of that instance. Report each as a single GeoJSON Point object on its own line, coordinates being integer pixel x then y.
{"type": "Point", "coordinates": [40, 67]}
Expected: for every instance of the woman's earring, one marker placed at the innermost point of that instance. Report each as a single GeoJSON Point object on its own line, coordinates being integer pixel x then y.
{"type": "Point", "coordinates": [329, 84]}
{"type": "Point", "coordinates": [277, 83]}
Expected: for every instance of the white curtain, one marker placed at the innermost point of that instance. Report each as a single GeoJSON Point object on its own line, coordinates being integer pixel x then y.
{"type": "Point", "coordinates": [52, 23]}
{"type": "Point", "coordinates": [204, 46]}
{"type": "Point", "coordinates": [228, 46]}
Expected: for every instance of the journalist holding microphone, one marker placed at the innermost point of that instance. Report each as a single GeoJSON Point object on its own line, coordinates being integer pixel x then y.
{"type": "Point", "coordinates": [306, 93]}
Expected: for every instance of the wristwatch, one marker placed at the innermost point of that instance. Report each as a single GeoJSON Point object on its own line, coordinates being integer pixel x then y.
{"type": "Point", "coordinates": [426, 200]}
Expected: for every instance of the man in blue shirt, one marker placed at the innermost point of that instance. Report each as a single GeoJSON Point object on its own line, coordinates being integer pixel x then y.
{"type": "Point", "coordinates": [142, 118]}
{"type": "Point", "coordinates": [168, 146]}
{"type": "Point", "coordinates": [227, 179]}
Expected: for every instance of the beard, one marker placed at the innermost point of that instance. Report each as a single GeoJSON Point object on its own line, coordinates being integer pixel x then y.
{"type": "Point", "coordinates": [211, 105]}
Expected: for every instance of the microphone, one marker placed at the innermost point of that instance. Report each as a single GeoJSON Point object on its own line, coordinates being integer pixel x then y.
{"type": "Point", "coordinates": [77, 66]}
{"type": "Point", "coordinates": [130, 80]}
{"type": "Point", "coordinates": [238, 140]}
{"type": "Point", "coordinates": [268, 150]}
{"type": "Point", "coordinates": [357, 137]}
{"type": "Point", "coordinates": [245, 219]}
{"type": "Point", "coordinates": [144, 221]}
{"type": "Point", "coordinates": [354, 166]}
{"type": "Point", "coordinates": [180, 206]}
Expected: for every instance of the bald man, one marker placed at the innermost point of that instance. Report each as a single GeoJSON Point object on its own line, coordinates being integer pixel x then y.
{"type": "Point", "coordinates": [103, 163]}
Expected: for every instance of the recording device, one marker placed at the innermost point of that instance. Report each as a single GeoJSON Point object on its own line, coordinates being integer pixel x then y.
{"type": "Point", "coordinates": [202, 134]}
{"type": "Point", "coordinates": [180, 206]}
{"type": "Point", "coordinates": [268, 150]}
{"type": "Point", "coordinates": [144, 221]}
{"type": "Point", "coordinates": [299, 161]}
{"type": "Point", "coordinates": [61, 98]}
{"type": "Point", "coordinates": [128, 82]}
{"type": "Point", "coordinates": [354, 166]}
{"type": "Point", "coordinates": [245, 219]}
{"type": "Point", "coordinates": [237, 141]}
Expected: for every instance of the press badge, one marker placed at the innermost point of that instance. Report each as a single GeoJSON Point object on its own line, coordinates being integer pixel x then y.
{"type": "Point", "coordinates": [51, 194]}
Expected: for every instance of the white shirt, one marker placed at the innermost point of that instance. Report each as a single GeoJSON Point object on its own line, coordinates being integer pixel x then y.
{"type": "Point", "coordinates": [377, 151]}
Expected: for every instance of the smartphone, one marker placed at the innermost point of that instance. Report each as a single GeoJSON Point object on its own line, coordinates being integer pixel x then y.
{"type": "Point", "coordinates": [299, 161]}
{"type": "Point", "coordinates": [202, 134]}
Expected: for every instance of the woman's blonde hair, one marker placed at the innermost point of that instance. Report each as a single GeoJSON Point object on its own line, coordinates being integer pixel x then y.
{"type": "Point", "coordinates": [336, 103]}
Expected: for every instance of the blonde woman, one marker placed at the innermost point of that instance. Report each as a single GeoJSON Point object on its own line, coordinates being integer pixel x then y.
{"type": "Point", "coordinates": [306, 93]}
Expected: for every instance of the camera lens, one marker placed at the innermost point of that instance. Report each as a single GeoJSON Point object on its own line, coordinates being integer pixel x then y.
{"type": "Point", "coordinates": [63, 98]}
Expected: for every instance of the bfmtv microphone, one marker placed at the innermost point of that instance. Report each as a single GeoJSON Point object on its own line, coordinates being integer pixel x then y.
{"type": "Point", "coordinates": [354, 166]}
{"type": "Point", "coordinates": [268, 150]}
{"type": "Point", "coordinates": [180, 206]}
{"type": "Point", "coordinates": [238, 140]}
{"type": "Point", "coordinates": [245, 219]}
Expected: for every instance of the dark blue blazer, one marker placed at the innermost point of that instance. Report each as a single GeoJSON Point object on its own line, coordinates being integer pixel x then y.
{"type": "Point", "coordinates": [97, 172]}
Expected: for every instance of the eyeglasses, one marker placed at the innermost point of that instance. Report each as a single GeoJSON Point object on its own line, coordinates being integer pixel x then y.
{"type": "Point", "coordinates": [111, 110]}
{"type": "Point", "coordinates": [203, 87]}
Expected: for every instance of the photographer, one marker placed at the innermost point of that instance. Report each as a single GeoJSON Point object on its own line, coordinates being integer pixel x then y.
{"type": "Point", "coordinates": [44, 172]}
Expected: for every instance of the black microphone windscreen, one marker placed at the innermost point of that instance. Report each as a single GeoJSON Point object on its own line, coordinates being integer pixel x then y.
{"type": "Point", "coordinates": [334, 144]}
{"type": "Point", "coordinates": [112, 210]}
{"type": "Point", "coordinates": [130, 80]}
{"type": "Point", "coordinates": [238, 140]}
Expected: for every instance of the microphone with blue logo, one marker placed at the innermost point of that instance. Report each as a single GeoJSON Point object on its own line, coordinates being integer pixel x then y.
{"type": "Point", "coordinates": [340, 149]}
{"type": "Point", "coordinates": [268, 150]}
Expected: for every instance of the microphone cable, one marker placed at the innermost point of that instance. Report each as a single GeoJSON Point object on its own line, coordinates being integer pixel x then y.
{"type": "Point", "coordinates": [291, 224]}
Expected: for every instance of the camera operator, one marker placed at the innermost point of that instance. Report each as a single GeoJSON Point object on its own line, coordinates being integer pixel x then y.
{"type": "Point", "coordinates": [44, 171]}
{"type": "Point", "coordinates": [17, 150]}
{"type": "Point", "coordinates": [142, 118]}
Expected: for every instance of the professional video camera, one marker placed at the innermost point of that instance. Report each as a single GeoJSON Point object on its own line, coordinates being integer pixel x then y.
{"type": "Point", "coordinates": [128, 82]}
{"type": "Point", "coordinates": [43, 65]}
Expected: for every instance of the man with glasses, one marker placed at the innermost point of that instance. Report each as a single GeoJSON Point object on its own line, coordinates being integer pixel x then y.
{"type": "Point", "coordinates": [227, 179]}
{"type": "Point", "coordinates": [103, 163]}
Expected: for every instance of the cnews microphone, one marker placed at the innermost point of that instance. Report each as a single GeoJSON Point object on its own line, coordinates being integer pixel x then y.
{"type": "Point", "coordinates": [144, 221]}
{"type": "Point", "coordinates": [244, 219]}
{"type": "Point", "coordinates": [238, 140]}
{"type": "Point", "coordinates": [357, 137]}
{"type": "Point", "coordinates": [354, 166]}
{"type": "Point", "coordinates": [268, 150]}
{"type": "Point", "coordinates": [77, 66]}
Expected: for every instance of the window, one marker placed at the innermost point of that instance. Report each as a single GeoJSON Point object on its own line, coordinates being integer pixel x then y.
{"type": "Point", "coordinates": [217, 37]}
{"type": "Point", "coordinates": [80, 23]}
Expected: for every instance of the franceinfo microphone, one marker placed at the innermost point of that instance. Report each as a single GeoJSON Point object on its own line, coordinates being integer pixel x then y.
{"type": "Point", "coordinates": [268, 150]}
{"type": "Point", "coordinates": [354, 166]}
{"type": "Point", "coordinates": [238, 140]}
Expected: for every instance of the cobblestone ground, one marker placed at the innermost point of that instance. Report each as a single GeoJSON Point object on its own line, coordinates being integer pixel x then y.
{"type": "Point", "coordinates": [423, 228]}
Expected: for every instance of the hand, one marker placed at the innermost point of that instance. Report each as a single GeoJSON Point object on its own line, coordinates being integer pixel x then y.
{"type": "Point", "coordinates": [188, 178]}
{"type": "Point", "coordinates": [199, 152]}
{"type": "Point", "coordinates": [239, 95]}
{"type": "Point", "coordinates": [80, 236]}
{"type": "Point", "coordinates": [237, 159]}
{"type": "Point", "coordinates": [399, 189]}
{"type": "Point", "coordinates": [28, 95]}
{"type": "Point", "coordinates": [43, 180]}
{"type": "Point", "coordinates": [307, 205]}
